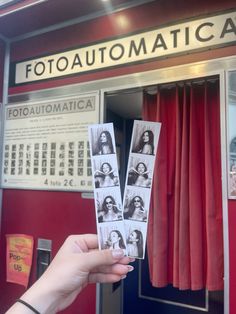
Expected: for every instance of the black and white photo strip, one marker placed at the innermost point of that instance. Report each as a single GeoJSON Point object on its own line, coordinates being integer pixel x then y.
{"type": "Point", "coordinates": [107, 194]}
{"type": "Point", "coordinates": [138, 185]}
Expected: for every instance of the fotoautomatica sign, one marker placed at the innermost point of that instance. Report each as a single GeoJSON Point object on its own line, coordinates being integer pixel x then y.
{"type": "Point", "coordinates": [212, 31]}
{"type": "Point", "coordinates": [46, 144]}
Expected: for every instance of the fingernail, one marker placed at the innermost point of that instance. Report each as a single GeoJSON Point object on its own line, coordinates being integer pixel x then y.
{"type": "Point", "coordinates": [131, 259]}
{"type": "Point", "coordinates": [123, 277]}
{"type": "Point", "coordinates": [130, 268]}
{"type": "Point", "coordinates": [117, 253]}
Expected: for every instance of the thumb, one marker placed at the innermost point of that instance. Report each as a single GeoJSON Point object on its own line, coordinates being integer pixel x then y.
{"type": "Point", "coordinates": [107, 257]}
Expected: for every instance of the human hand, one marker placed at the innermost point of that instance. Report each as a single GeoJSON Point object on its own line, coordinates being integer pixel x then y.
{"type": "Point", "coordinates": [77, 263]}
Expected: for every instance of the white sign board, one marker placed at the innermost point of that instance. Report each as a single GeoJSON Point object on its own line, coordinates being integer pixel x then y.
{"type": "Point", "coordinates": [46, 144]}
{"type": "Point", "coordinates": [182, 38]}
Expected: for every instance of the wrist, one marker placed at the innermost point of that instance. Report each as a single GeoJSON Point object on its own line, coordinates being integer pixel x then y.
{"type": "Point", "coordinates": [41, 297]}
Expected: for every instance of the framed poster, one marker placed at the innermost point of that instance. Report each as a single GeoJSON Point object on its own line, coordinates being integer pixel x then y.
{"type": "Point", "coordinates": [46, 144]}
{"type": "Point", "coordinates": [231, 134]}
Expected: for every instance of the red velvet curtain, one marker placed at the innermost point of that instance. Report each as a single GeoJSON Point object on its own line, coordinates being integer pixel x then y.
{"type": "Point", "coordinates": [185, 234]}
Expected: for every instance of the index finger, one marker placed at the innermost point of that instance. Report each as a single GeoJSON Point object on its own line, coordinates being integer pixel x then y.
{"type": "Point", "coordinates": [80, 243]}
{"type": "Point", "coordinates": [86, 242]}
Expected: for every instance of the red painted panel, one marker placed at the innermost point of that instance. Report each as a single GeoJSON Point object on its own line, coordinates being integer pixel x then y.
{"type": "Point", "coordinates": [49, 215]}
{"type": "Point", "coordinates": [31, 15]}
{"type": "Point", "coordinates": [232, 255]}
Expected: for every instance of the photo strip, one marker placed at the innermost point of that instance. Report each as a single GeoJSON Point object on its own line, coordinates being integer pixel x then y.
{"type": "Point", "coordinates": [123, 224]}
{"type": "Point", "coordinates": [107, 193]}
{"type": "Point", "coordinates": [137, 193]}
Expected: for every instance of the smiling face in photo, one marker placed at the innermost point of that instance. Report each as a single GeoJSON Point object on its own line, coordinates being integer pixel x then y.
{"type": "Point", "coordinates": [106, 168]}
{"type": "Point", "coordinates": [141, 168]}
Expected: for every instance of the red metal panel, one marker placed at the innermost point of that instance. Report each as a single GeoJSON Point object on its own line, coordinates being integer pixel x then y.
{"type": "Point", "coordinates": [49, 215]}
{"type": "Point", "coordinates": [31, 15]}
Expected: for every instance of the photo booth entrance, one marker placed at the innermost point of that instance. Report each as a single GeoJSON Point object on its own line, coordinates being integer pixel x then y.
{"type": "Point", "coordinates": [170, 279]}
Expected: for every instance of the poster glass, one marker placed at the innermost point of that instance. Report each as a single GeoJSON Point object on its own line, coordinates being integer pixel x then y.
{"type": "Point", "coordinates": [46, 144]}
{"type": "Point", "coordinates": [232, 134]}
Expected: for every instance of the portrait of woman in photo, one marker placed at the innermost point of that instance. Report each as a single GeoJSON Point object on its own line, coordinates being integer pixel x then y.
{"type": "Point", "coordinates": [146, 144]}
{"type": "Point", "coordinates": [105, 176]}
{"type": "Point", "coordinates": [109, 210]}
{"type": "Point", "coordinates": [115, 241]}
{"type": "Point", "coordinates": [104, 144]}
{"type": "Point", "coordinates": [135, 244]}
{"type": "Point", "coordinates": [138, 176]}
{"type": "Point", "coordinates": [136, 210]}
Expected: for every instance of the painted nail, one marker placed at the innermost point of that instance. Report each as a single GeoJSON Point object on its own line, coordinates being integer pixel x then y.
{"type": "Point", "coordinates": [117, 253]}
{"type": "Point", "coordinates": [130, 268]}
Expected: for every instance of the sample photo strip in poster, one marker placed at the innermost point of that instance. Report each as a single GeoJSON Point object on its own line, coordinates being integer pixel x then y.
{"type": "Point", "coordinates": [137, 192]}
{"type": "Point", "coordinates": [107, 194]}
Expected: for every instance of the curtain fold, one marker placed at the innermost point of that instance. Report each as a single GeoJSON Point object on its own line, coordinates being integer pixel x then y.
{"type": "Point", "coordinates": [185, 234]}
